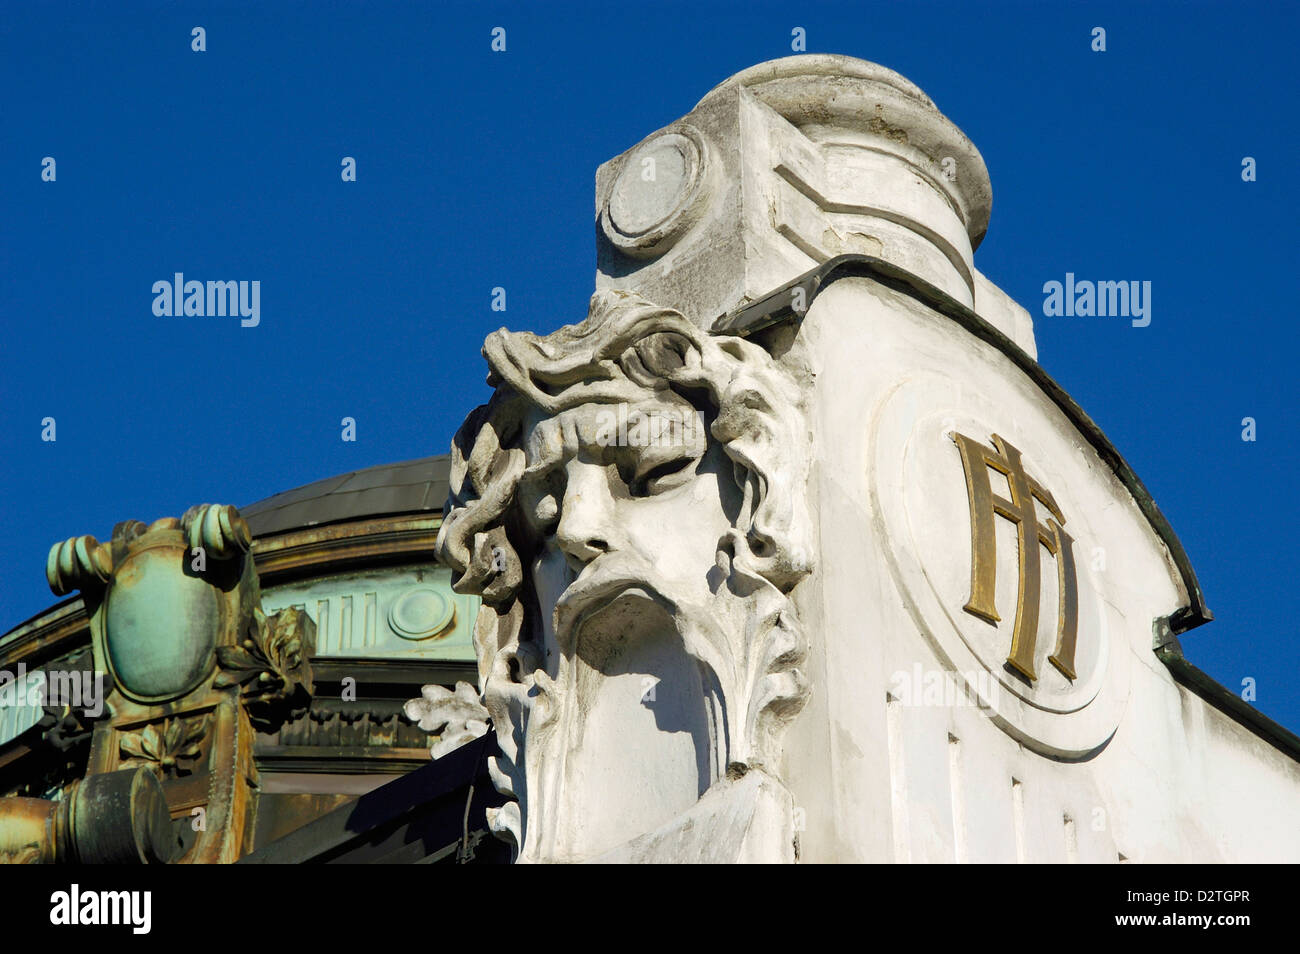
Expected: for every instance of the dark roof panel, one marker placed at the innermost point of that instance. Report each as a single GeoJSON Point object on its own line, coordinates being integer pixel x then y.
{"type": "Point", "coordinates": [409, 486]}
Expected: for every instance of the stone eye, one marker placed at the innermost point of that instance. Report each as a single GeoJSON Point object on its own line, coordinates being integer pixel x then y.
{"type": "Point", "coordinates": [662, 477]}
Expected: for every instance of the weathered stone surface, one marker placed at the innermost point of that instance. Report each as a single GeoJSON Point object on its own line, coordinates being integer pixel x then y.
{"type": "Point", "coordinates": [784, 166]}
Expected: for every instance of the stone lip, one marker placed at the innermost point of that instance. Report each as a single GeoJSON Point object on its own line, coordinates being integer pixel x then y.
{"type": "Point", "coordinates": [822, 64]}
{"type": "Point", "coordinates": [834, 98]}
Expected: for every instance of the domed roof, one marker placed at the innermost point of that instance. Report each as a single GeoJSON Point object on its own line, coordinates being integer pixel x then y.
{"type": "Point", "coordinates": [408, 486]}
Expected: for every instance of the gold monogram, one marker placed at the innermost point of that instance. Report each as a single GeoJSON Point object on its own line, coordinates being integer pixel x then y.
{"type": "Point", "coordinates": [976, 459]}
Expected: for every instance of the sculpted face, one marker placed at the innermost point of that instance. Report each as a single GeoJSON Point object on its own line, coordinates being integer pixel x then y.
{"type": "Point", "coordinates": [614, 520]}
{"type": "Point", "coordinates": [625, 524]}
{"type": "Point", "coordinates": [629, 507]}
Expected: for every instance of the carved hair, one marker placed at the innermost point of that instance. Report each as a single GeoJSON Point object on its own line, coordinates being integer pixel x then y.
{"type": "Point", "coordinates": [626, 350]}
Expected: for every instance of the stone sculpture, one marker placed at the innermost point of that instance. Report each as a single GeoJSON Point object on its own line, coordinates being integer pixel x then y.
{"type": "Point", "coordinates": [638, 650]}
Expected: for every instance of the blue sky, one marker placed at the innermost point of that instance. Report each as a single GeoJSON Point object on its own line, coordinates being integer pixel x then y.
{"type": "Point", "coordinates": [475, 170]}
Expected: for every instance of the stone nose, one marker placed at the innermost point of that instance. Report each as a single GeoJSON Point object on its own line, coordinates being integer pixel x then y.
{"type": "Point", "coordinates": [587, 521]}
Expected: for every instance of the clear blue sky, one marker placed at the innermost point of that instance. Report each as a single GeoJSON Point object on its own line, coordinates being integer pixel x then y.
{"type": "Point", "coordinates": [475, 169]}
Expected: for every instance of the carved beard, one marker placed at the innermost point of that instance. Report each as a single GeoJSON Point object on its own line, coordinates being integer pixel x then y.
{"type": "Point", "coordinates": [564, 690]}
{"type": "Point", "coordinates": [629, 728]}
{"type": "Point", "coordinates": [647, 702]}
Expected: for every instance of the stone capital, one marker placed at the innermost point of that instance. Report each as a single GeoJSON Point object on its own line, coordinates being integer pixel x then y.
{"type": "Point", "coordinates": [782, 167]}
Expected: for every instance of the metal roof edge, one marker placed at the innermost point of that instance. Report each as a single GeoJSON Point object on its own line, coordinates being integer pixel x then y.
{"type": "Point", "coordinates": [1220, 697]}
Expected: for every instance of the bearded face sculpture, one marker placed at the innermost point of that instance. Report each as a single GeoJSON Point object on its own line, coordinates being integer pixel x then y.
{"type": "Point", "coordinates": [629, 506]}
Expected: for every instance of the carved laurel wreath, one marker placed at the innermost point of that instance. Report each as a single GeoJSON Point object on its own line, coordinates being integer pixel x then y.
{"type": "Point", "coordinates": [271, 663]}
{"type": "Point", "coordinates": [171, 751]}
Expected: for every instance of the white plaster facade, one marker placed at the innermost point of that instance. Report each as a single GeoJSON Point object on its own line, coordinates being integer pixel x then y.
{"type": "Point", "coordinates": [1130, 765]}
